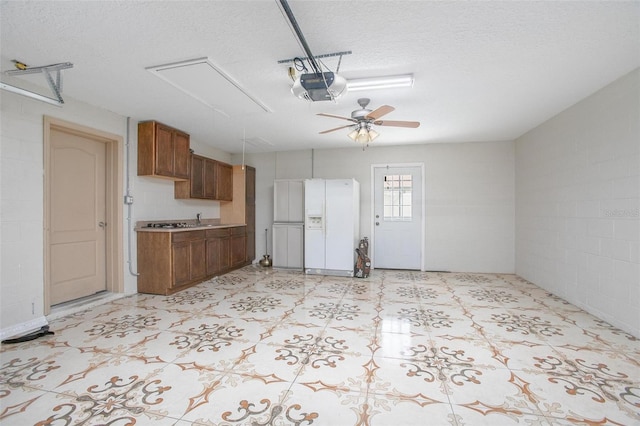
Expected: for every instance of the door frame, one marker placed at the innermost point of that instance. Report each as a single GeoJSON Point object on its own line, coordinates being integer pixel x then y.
{"type": "Point", "coordinates": [373, 207]}
{"type": "Point", "coordinates": [114, 194]}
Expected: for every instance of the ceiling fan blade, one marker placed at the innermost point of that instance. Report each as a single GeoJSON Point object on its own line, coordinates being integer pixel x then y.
{"type": "Point", "coordinates": [337, 128]}
{"type": "Point", "coordinates": [412, 124]}
{"type": "Point", "coordinates": [337, 116]}
{"type": "Point", "coordinates": [377, 113]}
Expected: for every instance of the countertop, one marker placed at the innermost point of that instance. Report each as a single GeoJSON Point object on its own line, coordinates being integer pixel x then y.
{"type": "Point", "coordinates": [194, 228]}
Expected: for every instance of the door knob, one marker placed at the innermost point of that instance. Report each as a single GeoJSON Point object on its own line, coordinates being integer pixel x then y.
{"type": "Point", "coordinates": [377, 223]}
{"type": "Point", "coordinates": [102, 224]}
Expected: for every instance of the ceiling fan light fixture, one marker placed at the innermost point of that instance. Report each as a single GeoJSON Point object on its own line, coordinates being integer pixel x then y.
{"type": "Point", "coordinates": [387, 82]}
{"type": "Point", "coordinates": [362, 136]}
{"type": "Point", "coordinates": [363, 119]}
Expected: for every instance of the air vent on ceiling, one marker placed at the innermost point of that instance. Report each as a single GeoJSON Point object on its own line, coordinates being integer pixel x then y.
{"type": "Point", "coordinates": [209, 84]}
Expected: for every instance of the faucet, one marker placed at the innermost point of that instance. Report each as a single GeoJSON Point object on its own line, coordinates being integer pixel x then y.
{"type": "Point", "coordinates": [198, 218]}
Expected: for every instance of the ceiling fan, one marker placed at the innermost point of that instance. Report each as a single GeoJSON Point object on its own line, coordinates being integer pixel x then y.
{"type": "Point", "coordinates": [362, 120]}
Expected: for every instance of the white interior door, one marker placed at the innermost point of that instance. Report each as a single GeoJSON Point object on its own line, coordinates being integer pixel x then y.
{"type": "Point", "coordinates": [397, 217]}
{"type": "Point", "coordinates": [77, 216]}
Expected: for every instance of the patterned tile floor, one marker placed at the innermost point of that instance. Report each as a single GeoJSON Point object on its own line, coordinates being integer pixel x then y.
{"type": "Point", "coordinates": [263, 347]}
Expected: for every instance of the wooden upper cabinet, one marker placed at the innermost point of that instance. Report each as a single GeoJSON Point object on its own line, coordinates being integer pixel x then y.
{"type": "Point", "coordinates": [162, 151]}
{"type": "Point", "coordinates": [224, 182]}
{"type": "Point", "coordinates": [209, 180]}
{"type": "Point", "coordinates": [195, 187]}
{"type": "Point", "coordinates": [181, 154]}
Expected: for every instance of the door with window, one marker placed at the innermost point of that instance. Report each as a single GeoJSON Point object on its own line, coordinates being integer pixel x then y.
{"type": "Point", "coordinates": [398, 223]}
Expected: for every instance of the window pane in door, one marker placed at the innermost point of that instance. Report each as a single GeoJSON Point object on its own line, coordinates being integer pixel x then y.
{"type": "Point", "coordinates": [397, 197]}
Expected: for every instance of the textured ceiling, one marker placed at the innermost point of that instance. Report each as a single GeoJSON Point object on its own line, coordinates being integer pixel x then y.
{"type": "Point", "coordinates": [483, 70]}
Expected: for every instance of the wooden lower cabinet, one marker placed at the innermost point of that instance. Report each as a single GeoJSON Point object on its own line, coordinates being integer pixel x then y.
{"type": "Point", "coordinates": [188, 257]}
{"type": "Point", "coordinates": [218, 259]}
{"type": "Point", "coordinates": [238, 246]}
{"type": "Point", "coordinates": [172, 261]}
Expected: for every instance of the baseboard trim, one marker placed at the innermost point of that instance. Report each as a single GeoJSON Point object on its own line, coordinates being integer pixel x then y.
{"type": "Point", "coordinates": [23, 328]}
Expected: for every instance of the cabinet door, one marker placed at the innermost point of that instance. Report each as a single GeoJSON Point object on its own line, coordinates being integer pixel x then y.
{"type": "Point", "coordinates": [251, 246]}
{"type": "Point", "coordinates": [281, 201]}
{"type": "Point", "coordinates": [198, 259]}
{"type": "Point", "coordinates": [197, 177]}
{"type": "Point", "coordinates": [181, 262]}
{"type": "Point", "coordinates": [250, 211]}
{"type": "Point", "coordinates": [296, 201]}
{"type": "Point", "coordinates": [250, 182]}
{"type": "Point", "coordinates": [213, 256]}
{"type": "Point", "coordinates": [295, 247]}
{"type": "Point", "coordinates": [238, 249]}
{"type": "Point", "coordinates": [224, 182]}
{"type": "Point", "coordinates": [188, 257]}
{"type": "Point", "coordinates": [209, 179]}
{"type": "Point", "coordinates": [288, 203]}
{"type": "Point", "coordinates": [181, 155]}
{"type": "Point", "coordinates": [288, 246]}
{"type": "Point", "coordinates": [217, 255]}
{"type": "Point", "coordinates": [164, 151]}
{"type": "Point", "coordinates": [279, 246]}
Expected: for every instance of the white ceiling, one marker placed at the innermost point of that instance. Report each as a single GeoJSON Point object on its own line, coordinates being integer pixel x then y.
{"type": "Point", "coordinates": [483, 70]}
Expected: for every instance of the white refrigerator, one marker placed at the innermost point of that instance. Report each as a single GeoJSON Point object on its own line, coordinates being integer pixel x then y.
{"type": "Point", "coordinates": [331, 226]}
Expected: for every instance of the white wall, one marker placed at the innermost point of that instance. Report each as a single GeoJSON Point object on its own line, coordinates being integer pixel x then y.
{"type": "Point", "coordinates": [21, 198]}
{"type": "Point", "coordinates": [22, 192]}
{"type": "Point", "coordinates": [469, 196]}
{"type": "Point", "coordinates": [577, 200]}
{"type": "Point", "coordinates": [577, 209]}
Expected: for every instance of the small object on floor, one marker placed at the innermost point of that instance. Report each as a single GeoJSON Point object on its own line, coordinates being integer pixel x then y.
{"type": "Point", "coordinates": [265, 261]}
{"type": "Point", "coordinates": [363, 264]}
{"type": "Point", "coordinates": [44, 330]}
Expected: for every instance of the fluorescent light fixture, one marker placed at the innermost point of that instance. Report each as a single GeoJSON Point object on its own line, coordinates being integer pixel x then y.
{"type": "Point", "coordinates": [388, 82]}
{"type": "Point", "coordinates": [32, 95]}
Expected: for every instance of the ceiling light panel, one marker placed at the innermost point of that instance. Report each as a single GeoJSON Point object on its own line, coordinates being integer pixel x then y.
{"type": "Point", "coordinates": [387, 82]}
{"type": "Point", "coordinates": [209, 84]}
